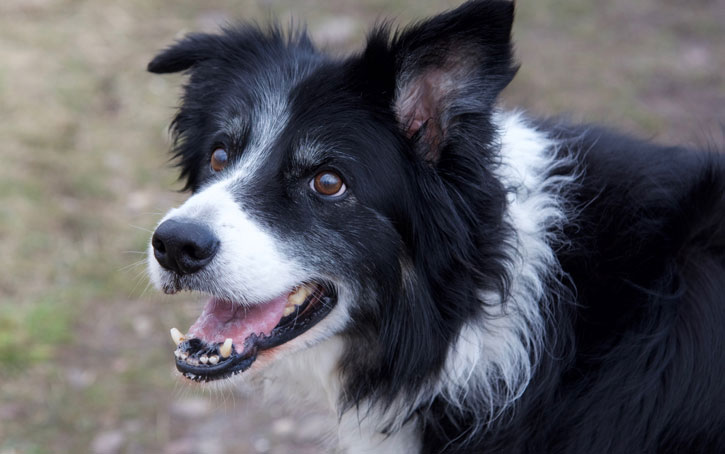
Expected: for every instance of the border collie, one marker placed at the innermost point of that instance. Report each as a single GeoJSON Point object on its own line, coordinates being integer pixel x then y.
{"type": "Point", "coordinates": [375, 234]}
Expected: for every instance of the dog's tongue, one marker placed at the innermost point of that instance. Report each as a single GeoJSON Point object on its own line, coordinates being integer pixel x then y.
{"type": "Point", "coordinates": [222, 319]}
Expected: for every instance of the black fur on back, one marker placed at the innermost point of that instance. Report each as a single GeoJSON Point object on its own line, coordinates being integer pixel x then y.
{"type": "Point", "coordinates": [644, 341]}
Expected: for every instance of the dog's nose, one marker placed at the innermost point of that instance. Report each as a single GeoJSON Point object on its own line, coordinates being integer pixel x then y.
{"type": "Point", "coordinates": [184, 246]}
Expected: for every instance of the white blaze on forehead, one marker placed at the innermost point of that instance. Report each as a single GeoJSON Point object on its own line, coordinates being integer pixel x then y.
{"type": "Point", "coordinates": [249, 265]}
{"type": "Point", "coordinates": [268, 119]}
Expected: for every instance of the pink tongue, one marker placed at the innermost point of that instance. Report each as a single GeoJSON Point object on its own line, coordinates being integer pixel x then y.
{"type": "Point", "coordinates": [224, 319]}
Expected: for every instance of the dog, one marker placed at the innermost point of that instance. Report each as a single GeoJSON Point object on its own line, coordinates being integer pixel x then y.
{"type": "Point", "coordinates": [375, 233]}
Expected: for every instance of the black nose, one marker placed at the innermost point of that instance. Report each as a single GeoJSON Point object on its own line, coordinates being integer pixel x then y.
{"type": "Point", "coordinates": [184, 246]}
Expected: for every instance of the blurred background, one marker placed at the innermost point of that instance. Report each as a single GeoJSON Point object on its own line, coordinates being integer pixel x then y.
{"type": "Point", "coordinates": [85, 354]}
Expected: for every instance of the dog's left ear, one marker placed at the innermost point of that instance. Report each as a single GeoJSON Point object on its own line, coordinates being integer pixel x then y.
{"type": "Point", "coordinates": [450, 69]}
{"type": "Point", "coordinates": [184, 54]}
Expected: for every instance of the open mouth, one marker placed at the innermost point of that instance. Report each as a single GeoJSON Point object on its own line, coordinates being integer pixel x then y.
{"type": "Point", "coordinates": [227, 337]}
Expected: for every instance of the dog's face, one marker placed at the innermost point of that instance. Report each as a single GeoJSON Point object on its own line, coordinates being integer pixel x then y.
{"type": "Point", "coordinates": [322, 188]}
{"type": "Point", "coordinates": [287, 219]}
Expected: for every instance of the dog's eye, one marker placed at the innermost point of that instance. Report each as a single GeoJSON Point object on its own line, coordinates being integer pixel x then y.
{"type": "Point", "coordinates": [219, 159]}
{"type": "Point", "coordinates": [328, 183]}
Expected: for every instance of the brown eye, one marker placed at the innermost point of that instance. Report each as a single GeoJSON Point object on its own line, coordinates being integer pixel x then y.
{"type": "Point", "coordinates": [218, 159]}
{"type": "Point", "coordinates": [328, 183]}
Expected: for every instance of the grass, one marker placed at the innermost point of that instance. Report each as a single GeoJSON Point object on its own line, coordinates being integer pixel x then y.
{"type": "Point", "coordinates": [32, 333]}
{"type": "Point", "coordinates": [84, 350]}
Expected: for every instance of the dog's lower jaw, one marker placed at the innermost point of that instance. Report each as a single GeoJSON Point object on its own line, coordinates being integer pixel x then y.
{"type": "Point", "coordinates": [310, 378]}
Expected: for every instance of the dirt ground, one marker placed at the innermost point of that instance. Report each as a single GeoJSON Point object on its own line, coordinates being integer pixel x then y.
{"type": "Point", "coordinates": [85, 355]}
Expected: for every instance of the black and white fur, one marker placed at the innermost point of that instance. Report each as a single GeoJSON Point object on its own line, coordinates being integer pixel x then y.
{"type": "Point", "coordinates": [505, 284]}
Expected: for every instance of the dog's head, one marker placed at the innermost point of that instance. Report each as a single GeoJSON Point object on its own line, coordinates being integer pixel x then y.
{"type": "Point", "coordinates": [336, 196]}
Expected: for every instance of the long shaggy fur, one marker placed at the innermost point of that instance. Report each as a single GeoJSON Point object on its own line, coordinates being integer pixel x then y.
{"type": "Point", "coordinates": [506, 284]}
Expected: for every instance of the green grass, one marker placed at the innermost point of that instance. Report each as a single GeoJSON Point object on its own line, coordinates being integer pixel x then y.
{"type": "Point", "coordinates": [32, 333]}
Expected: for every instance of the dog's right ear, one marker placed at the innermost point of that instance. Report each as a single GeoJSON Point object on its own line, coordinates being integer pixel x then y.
{"type": "Point", "coordinates": [448, 70]}
{"type": "Point", "coordinates": [184, 54]}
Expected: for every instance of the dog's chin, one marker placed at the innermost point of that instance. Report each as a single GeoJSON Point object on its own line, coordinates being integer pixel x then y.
{"type": "Point", "coordinates": [229, 337]}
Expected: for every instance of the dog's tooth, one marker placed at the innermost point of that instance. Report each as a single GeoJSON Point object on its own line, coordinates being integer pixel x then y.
{"type": "Point", "coordinates": [288, 310]}
{"type": "Point", "coordinates": [176, 336]}
{"type": "Point", "coordinates": [183, 355]}
{"type": "Point", "coordinates": [299, 296]}
{"type": "Point", "coordinates": [204, 359]}
{"type": "Point", "coordinates": [213, 359]}
{"type": "Point", "coordinates": [192, 361]}
{"type": "Point", "coordinates": [226, 349]}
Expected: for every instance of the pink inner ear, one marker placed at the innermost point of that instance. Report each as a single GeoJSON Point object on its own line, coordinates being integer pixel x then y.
{"type": "Point", "coordinates": [420, 102]}
{"type": "Point", "coordinates": [415, 125]}
{"type": "Point", "coordinates": [416, 103]}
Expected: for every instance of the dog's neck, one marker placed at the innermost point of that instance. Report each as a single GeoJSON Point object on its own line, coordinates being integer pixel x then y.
{"type": "Point", "coordinates": [312, 378]}
{"type": "Point", "coordinates": [495, 356]}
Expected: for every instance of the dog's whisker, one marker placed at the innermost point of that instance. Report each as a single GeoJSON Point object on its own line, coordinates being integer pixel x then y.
{"type": "Point", "coordinates": [139, 278]}
{"type": "Point", "coordinates": [144, 290]}
{"type": "Point", "coordinates": [143, 229]}
{"type": "Point", "coordinates": [133, 265]}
